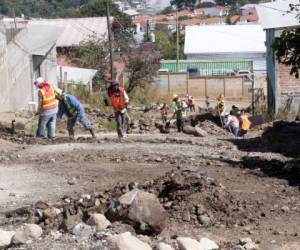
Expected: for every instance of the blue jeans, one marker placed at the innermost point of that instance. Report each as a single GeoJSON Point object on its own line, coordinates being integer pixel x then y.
{"type": "Point", "coordinates": [82, 119]}
{"type": "Point", "coordinates": [48, 121]}
{"type": "Point", "coordinates": [235, 130]}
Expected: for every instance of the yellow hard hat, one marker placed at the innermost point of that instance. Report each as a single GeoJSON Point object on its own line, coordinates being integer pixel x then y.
{"type": "Point", "coordinates": [175, 96]}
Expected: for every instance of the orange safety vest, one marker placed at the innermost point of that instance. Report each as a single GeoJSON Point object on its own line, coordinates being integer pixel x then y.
{"type": "Point", "coordinates": [48, 102]}
{"type": "Point", "coordinates": [246, 123]}
{"type": "Point", "coordinates": [118, 102]}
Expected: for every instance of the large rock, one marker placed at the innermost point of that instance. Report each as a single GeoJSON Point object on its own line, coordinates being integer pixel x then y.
{"type": "Point", "coordinates": [186, 243]}
{"type": "Point", "coordinates": [207, 244]}
{"type": "Point", "coordinates": [27, 233]}
{"type": "Point", "coordinates": [196, 131]}
{"type": "Point", "coordinates": [83, 230]}
{"type": "Point", "coordinates": [100, 221]}
{"type": "Point", "coordinates": [143, 210]}
{"type": "Point", "coordinates": [126, 241]}
{"type": "Point", "coordinates": [6, 238]}
{"type": "Point", "coordinates": [164, 246]}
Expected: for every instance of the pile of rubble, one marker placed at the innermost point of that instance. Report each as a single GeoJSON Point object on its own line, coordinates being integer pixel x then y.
{"type": "Point", "coordinates": [131, 216]}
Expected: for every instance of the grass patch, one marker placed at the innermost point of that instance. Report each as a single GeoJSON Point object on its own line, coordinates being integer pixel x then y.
{"type": "Point", "coordinates": [110, 126]}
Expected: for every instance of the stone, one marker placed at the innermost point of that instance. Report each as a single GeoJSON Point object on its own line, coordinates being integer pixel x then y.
{"type": "Point", "coordinates": [70, 221]}
{"type": "Point", "coordinates": [251, 246]}
{"type": "Point", "coordinates": [196, 131]}
{"type": "Point", "coordinates": [27, 233]}
{"type": "Point", "coordinates": [164, 246]}
{"type": "Point", "coordinates": [50, 212]}
{"type": "Point", "coordinates": [83, 230]}
{"type": "Point", "coordinates": [285, 209]}
{"type": "Point", "coordinates": [126, 241]}
{"type": "Point", "coordinates": [204, 220]}
{"type": "Point", "coordinates": [99, 220]}
{"type": "Point", "coordinates": [143, 210]}
{"type": "Point", "coordinates": [186, 243]}
{"type": "Point", "coordinates": [6, 238]}
{"type": "Point", "coordinates": [207, 244]}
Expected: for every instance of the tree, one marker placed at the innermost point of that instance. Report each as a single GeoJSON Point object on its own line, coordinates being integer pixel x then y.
{"type": "Point", "coordinates": [183, 3]}
{"type": "Point", "coordinates": [141, 66]}
{"type": "Point", "coordinates": [91, 53]}
{"type": "Point", "coordinates": [287, 46]}
{"type": "Point", "coordinates": [166, 44]}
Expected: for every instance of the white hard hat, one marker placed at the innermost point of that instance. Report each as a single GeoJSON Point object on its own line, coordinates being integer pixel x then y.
{"type": "Point", "coordinates": [59, 91]}
{"type": "Point", "coordinates": [227, 114]}
{"type": "Point", "coordinates": [39, 81]}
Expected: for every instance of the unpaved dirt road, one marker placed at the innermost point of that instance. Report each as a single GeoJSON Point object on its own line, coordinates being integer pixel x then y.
{"type": "Point", "coordinates": [29, 173]}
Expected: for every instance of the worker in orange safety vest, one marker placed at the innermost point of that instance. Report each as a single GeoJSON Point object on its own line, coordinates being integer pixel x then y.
{"type": "Point", "coordinates": [47, 108]}
{"type": "Point", "coordinates": [120, 101]}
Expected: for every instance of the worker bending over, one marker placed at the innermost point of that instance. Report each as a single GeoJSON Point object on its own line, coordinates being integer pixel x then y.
{"type": "Point", "coordinates": [47, 108]}
{"type": "Point", "coordinates": [164, 112]}
{"type": "Point", "coordinates": [245, 124]}
{"type": "Point", "coordinates": [119, 100]}
{"type": "Point", "coordinates": [180, 112]}
{"type": "Point", "coordinates": [232, 123]}
{"type": "Point", "coordinates": [72, 108]}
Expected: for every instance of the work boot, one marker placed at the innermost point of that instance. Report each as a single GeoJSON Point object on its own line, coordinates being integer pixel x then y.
{"type": "Point", "coordinates": [72, 135]}
{"type": "Point", "coordinates": [92, 133]}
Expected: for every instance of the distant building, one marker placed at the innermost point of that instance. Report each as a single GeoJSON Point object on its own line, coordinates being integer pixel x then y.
{"type": "Point", "coordinates": [248, 9]}
{"type": "Point", "coordinates": [216, 11]}
{"type": "Point", "coordinates": [283, 89]}
{"type": "Point", "coordinates": [27, 54]}
{"type": "Point", "coordinates": [76, 30]}
{"type": "Point", "coordinates": [227, 42]}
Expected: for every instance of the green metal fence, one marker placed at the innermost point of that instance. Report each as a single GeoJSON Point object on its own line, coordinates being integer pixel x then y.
{"type": "Point", "coordinates": [208, 68]}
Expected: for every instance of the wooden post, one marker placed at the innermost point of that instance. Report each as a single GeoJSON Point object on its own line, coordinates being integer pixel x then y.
{"type": "Point", "coordinates": [187, 83]}
{"type": "Point", "coordinates": [205, 80]}
{"type": "Point", "coordinates": [65, 81]}
{"type": "Point", "coordinates": [60, 77]}
{"type": "Point", "coordinates": [90, 84]}
{"type": "Point", "coordinates": [169, 88]}
{"type": "Point", "coordinates": [224, 86]}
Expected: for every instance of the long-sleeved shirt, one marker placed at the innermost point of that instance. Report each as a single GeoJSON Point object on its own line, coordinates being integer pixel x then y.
{"type": "Point", "coordinates": [67, 103]}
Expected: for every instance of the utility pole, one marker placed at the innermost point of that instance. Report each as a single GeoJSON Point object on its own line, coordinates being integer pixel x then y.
{"type": "Point", "coordinates": [177, 42]}
{"type": "Point", "coordinates": [110, 39]}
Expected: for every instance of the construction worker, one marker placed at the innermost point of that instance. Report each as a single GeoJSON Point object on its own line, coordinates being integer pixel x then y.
{"type": "Point", "coordinates": [164, 112]}
{"type": "Point", "coordinates": [47, 108]}
{"type": "Point", "coordinates": [232, 123]}
{"type": "Point", "coordinates": [70, 106]}
{"type": "Point", "coordinates": [119, 100]}
{"type": "Point", "coordinates": [235, 110]}
{"type": "Point", "coordinates": [207, 103]}
{"type": "Point", "coordinates": [190, 103]}
{"type": "Point", "coordinates": [180, 112]}
{"type": "Point", "coordinates": [220, 104]}
{"type": "Point", "coordinates": [245, 124]}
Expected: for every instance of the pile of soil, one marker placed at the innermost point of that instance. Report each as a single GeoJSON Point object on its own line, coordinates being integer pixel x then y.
{"type": "Point", "coordinates": [283, 137]}
{"type": "Point", "coordinates": [212, 128]}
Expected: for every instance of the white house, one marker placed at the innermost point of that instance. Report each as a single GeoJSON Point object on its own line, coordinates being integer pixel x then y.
{"type": "Point", "coordinates": [283, 89]}
{"type": "Point", "coordinates": [227, 42]}
{"type": "Point", "coordinates": [28, 54]}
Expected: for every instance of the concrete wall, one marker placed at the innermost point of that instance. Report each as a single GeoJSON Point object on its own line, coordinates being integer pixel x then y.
{"type": "Point", "coordinates": [200, 87]}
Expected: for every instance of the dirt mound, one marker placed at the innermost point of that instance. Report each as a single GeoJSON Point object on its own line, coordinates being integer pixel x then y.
{"type": "Point", "coordinates": [284, 137]}
{"type": "Point", "coordinates": [212, 128]}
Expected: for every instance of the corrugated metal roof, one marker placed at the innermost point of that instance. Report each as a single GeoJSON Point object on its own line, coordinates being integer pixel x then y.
{"type": "Point", "coordinates": [274, 15]}
{"type": "Point", "coordinates": [38, 39]}
{"type": "Point", "coordinates": [77, 29]}
{"type": "Point", "coordinates": [77, 75]}
{"type": "Point", "coordinates": [224, 39]}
